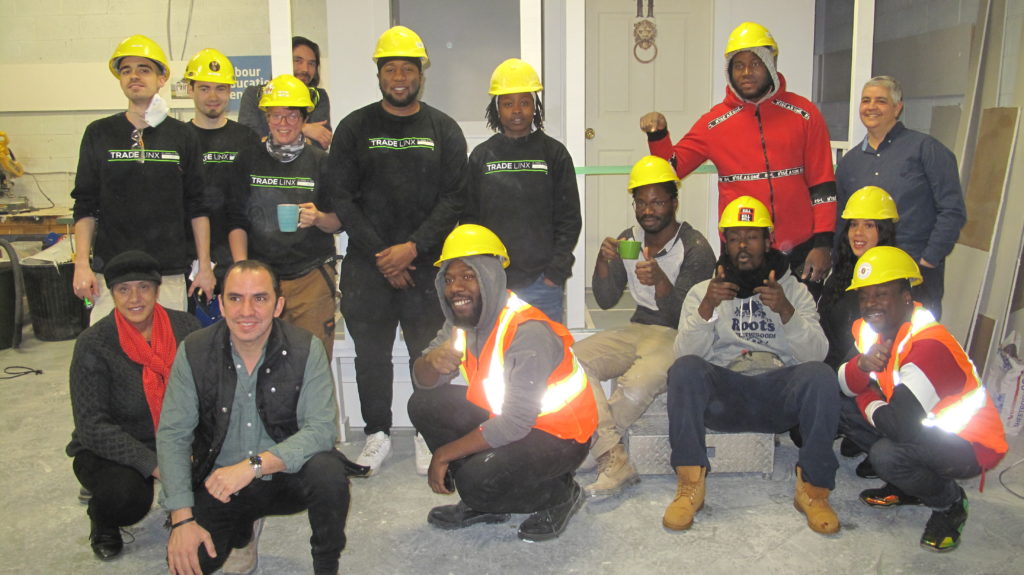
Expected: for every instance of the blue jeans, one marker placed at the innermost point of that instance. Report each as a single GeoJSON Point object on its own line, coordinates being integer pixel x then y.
{"type": "Point", "coordinates": [703, 394]}
{"type": "Point", "coordinates": [544, 297]}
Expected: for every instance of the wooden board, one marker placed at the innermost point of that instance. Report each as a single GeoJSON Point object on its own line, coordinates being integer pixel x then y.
{"type": "Point", "coordinates": [981, 341]}
{"type": "Point", "coordinates": [996, 135]}
{"type": "Point", "coordinates": [1018, 291]}
{"type": "Point", "coordinates": [968, 267]}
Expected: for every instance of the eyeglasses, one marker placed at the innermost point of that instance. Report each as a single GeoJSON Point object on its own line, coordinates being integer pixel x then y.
{"type": "Point", "coordinates": [138, 144]}
{"type": "Point", "coordinates": [289, 118]}
{"type": "Point", "coordinates": [656, 204]}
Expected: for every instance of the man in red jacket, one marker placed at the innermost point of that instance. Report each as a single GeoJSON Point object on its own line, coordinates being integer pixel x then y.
{"type": "Point", "coordinates": [767, 143]}
{"type": "Point", "coordinates": [921, 412]}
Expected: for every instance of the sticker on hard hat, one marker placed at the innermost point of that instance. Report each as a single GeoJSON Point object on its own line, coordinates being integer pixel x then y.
{"type": "Point", "coordinates": [268, 89]}
{"type": "Point", "coordinates": [864, 271]}
{"type": "Point", "coordinates": [214, 66]}
{"type": "Point", "coordinates": [746, 214]}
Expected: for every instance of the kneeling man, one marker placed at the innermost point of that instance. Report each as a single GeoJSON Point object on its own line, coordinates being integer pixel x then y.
{"type": "Point", "coordinates": [511, 441]}
{"type": "Point", "coordinates": [750, 350]}
{"type": "Point", "coordinates": [247, 430]}
{"type": "Point", "coordinates": [924, 418]}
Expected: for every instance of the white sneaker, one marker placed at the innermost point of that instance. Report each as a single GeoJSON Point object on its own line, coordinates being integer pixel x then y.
{"type": "Point", "coordinates": [375, 451]}
{"type": "Point", "coordinates": [423, 454]}
{"type": "Point", "coordinates": [243, 561]}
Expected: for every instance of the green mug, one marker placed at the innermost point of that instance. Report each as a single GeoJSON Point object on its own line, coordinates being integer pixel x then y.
{"type": "Point", "coordinates": [629, 249]}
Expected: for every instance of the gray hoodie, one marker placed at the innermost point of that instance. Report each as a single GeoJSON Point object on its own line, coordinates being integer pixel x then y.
{"type": "Point", "coordinates": [746, 325]}
{"type": "Point", "coordinates": [530, 360]}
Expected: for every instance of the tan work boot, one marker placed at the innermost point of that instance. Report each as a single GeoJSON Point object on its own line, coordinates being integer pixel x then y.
{"type": "Point", "coordinates": [689, 498]}
{"type": "Point", "coordinates": [614, 473]}
{"type": "Point", "coordinates": [812, 501]}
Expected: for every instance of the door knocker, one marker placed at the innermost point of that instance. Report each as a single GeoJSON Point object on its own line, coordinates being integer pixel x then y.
{"type": "Point", "coordinates": [644, 33]}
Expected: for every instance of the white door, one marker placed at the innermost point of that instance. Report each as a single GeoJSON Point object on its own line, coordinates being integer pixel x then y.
{"type": "Point", "coordinates": [620, 89]}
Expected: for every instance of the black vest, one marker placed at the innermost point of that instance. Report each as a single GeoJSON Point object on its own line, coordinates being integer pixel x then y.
{"type": "Point", "coordinates": [278, 384]}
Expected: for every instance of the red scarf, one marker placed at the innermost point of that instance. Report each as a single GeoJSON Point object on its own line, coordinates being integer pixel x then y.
{"type": "Point", "coordinates": [155, 358]}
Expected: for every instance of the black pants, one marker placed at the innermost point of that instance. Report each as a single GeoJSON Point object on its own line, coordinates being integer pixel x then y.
{"type": "Point", "coordinates": [120, 495]}
{"type": "Point", "coordinates": [321, 487]}
{"type": "Point", "coordinates": [524, 476]}
{"type": "Point", "coordinates": [373, 310]}
{"type": "Point", "coordinates": [703, 394]}
{"type": "Point", "coordinates": [926, 467]}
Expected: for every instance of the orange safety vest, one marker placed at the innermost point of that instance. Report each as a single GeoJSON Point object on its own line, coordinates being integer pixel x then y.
{"type": "Point", "coordinates": [568, 409]}
{"type": "Point", "coordinates": [969, 414]}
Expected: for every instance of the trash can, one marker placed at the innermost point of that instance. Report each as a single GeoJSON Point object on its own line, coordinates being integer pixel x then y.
{"type": "Point", "coordinates": [56, 313]}
{"type": "Point", "coordinates": [6, 305]}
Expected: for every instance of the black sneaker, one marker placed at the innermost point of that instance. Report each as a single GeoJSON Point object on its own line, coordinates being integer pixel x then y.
{"type": "Point", "coordinates": [849, 449]}
{"type": "Point", "coordinates": [866, 470]}
{"type": "Point", "coordinates": [460, 515]}
{"type": "Point", "coordinates": [887, 495]}
{"type": "Point", "coordinates": [942, 533]}
{"type": "Point", "coordinates": [549, 523]}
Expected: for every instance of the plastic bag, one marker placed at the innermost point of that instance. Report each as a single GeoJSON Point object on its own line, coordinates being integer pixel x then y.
{"type": "Point", "coordinates": [1005, 383]}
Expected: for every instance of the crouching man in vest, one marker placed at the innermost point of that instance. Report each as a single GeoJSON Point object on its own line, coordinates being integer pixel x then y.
{"type": "Point", "coordinates": [509, 443]}
{"type": "Point", "coordinates": [924, 417]}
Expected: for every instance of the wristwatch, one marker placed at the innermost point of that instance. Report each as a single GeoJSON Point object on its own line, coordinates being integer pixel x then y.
{"type": "Point", "coordinates": [256, 462]}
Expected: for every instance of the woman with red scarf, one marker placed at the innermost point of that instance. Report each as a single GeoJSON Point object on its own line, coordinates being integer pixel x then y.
{"type": "Point", "coordinates": [118, 376]}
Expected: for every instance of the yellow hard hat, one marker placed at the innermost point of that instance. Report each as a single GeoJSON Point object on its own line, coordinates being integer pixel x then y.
{"type": "Point", "coordinates": [401, 42]}
{"type": "Point", "coordinates": [210, 65]}
{"type": "Point", "coordinates": [750, 35]}
{"type": "Point", "coordinates": [745, 212]}
{"type": "Point", "coordinates": [514, 76]}
{"type": "Point", "coordinates": [651, 170]}
{"type": "Point", "coordinates": [472, 240]}
{"type": "Point", "coordinates": [871, 203]}
{"type": "Point", "coordinates": [883, 264]}
{"type": "Point", "coordinates": [139, 45]}
{"type": "Point", "coordinates": [286, 91]}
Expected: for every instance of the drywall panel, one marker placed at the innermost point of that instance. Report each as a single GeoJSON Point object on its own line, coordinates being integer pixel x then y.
{"type": "Point", "coordinates": [929, 64]}
{"type": "Point", "coordinates": [944, 124]}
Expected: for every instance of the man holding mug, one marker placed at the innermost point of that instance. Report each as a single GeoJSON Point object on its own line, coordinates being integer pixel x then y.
{"type": "Point", "coordinates": [280, 213]}
{"type": "Point", "coordinates": [660, 259]}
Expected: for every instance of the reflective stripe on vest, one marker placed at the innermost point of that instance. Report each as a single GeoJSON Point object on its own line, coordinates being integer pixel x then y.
{"type": "Point", "coordinates": [955, 417]}
{"type": "Point", "coordinates": [558, 394]}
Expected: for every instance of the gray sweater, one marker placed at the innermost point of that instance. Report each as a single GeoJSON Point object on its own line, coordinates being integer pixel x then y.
{"type": "Point", "coordinates": [698, 265]}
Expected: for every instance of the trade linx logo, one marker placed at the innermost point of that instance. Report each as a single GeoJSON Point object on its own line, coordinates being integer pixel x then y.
{"type": "Point", "coordinates": [143, 155]}
{"type": "Point", "coordinates": [278, 182]}
{"type": "Point", "coordinates": [400, 143]}
{"type": "Point", "coordinates": [539, 166]}
{"type": "Point", "coordinates": [219, 157]}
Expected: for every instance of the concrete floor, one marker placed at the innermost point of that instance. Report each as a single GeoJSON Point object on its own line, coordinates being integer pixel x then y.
{"type": "Point", "coordinates": [748, 525]}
